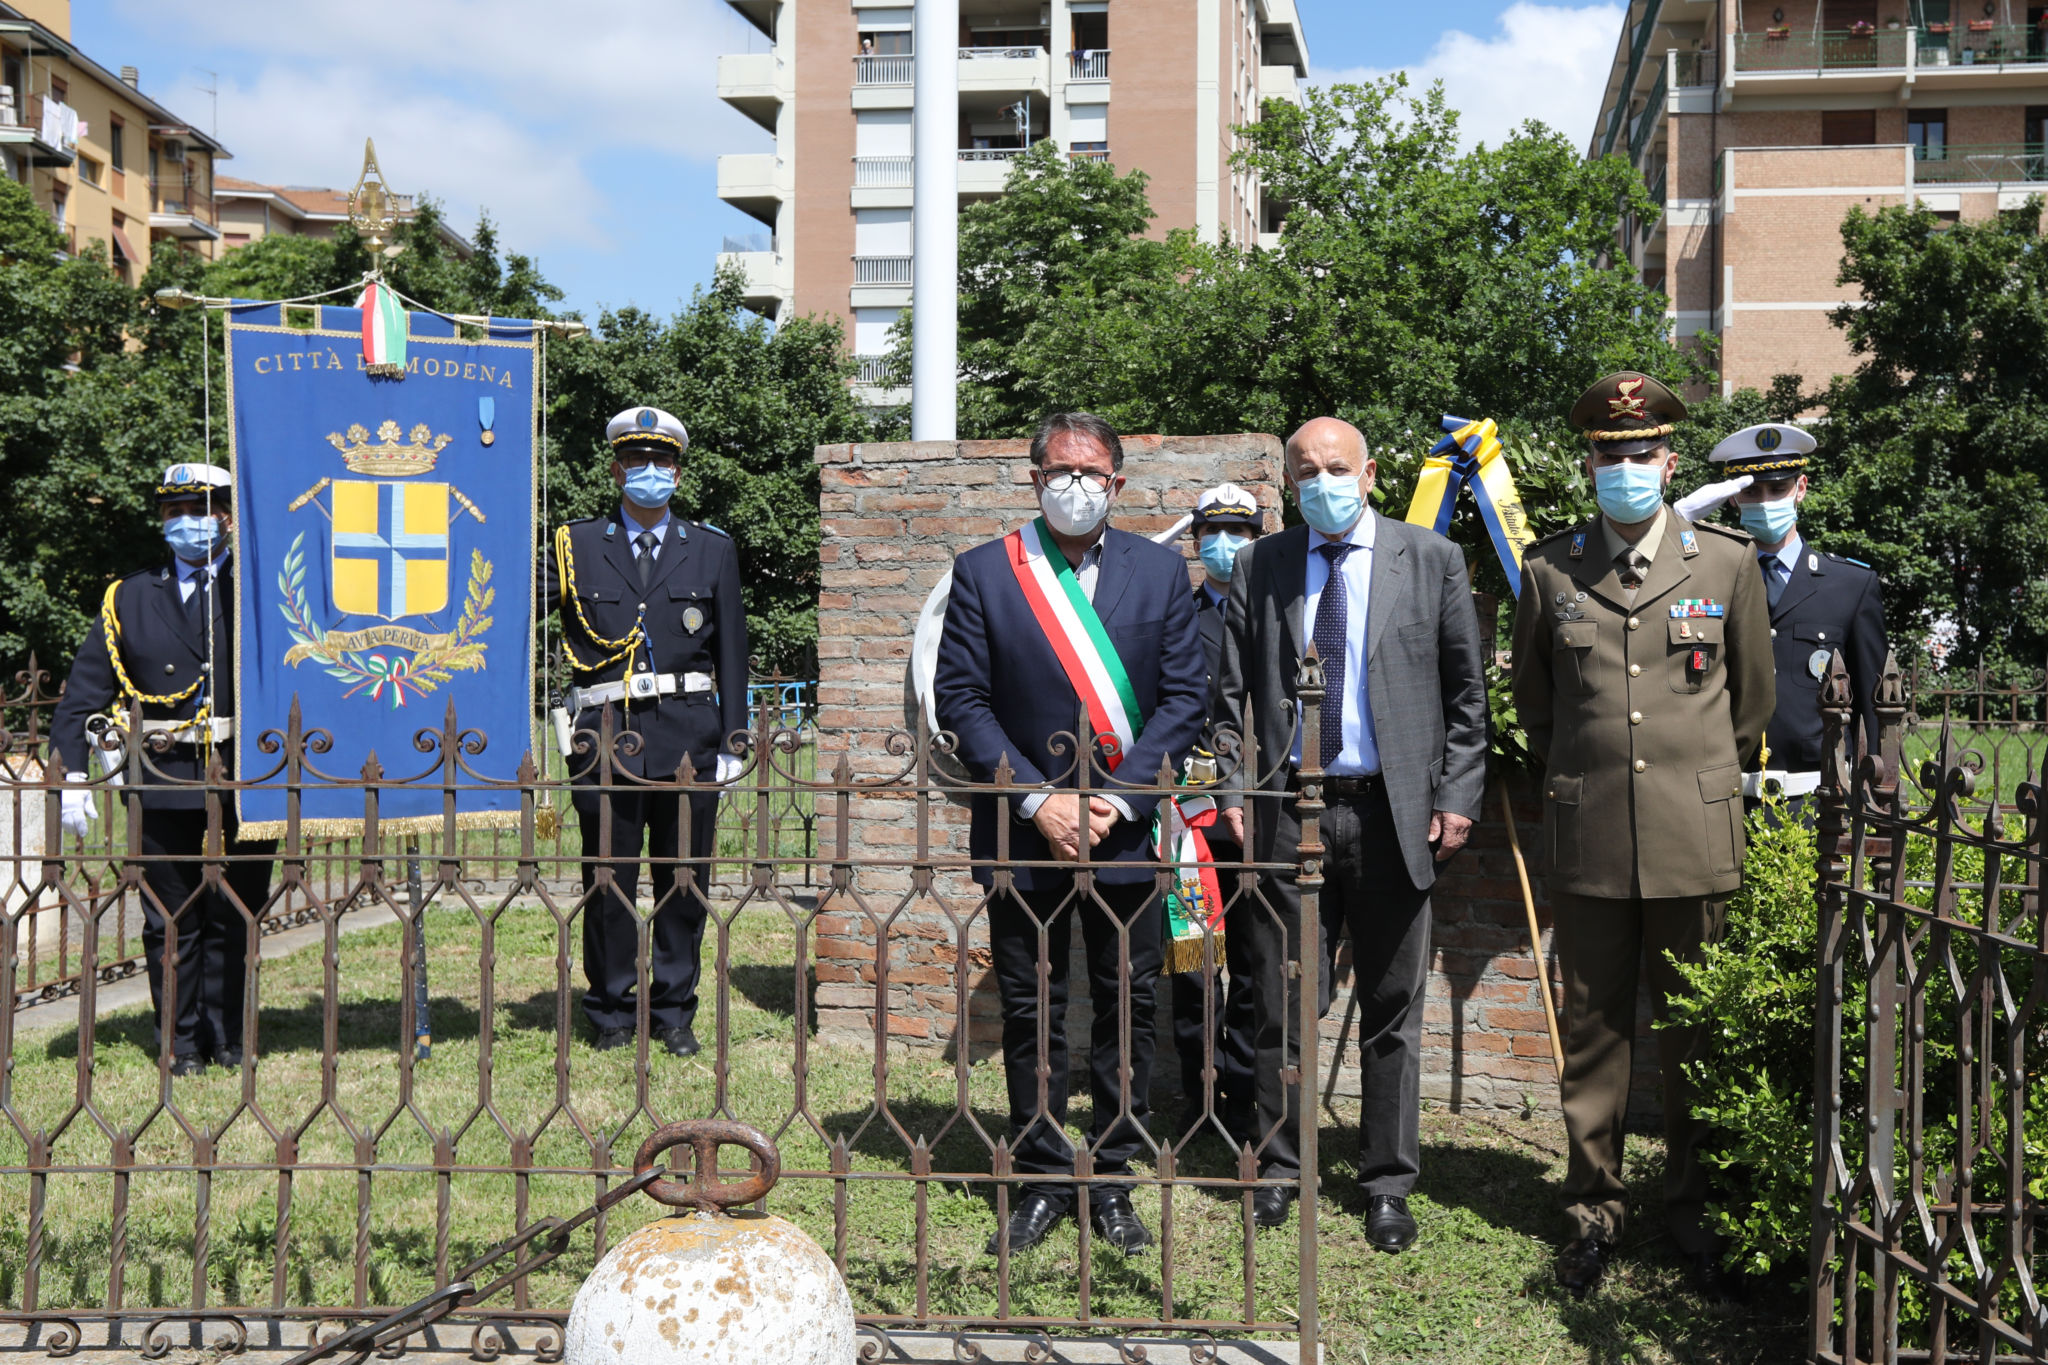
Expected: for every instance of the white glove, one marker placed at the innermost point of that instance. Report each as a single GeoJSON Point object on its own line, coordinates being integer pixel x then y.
{"type": "Point", "coordinates": [79, 807]}
{"type": "Point", "coordinates": [728, 767]}
{"type": "Point", "coordinates": [1702, 501]}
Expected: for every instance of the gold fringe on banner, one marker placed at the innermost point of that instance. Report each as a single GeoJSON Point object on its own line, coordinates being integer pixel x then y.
{"type": "Point", "coordinates": [353, 828]}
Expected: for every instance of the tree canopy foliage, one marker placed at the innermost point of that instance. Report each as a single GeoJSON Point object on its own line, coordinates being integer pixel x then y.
{"type": "Point", "coordinates": [100, 388]}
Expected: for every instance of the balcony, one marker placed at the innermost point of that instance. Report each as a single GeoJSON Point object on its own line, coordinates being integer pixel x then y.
{"type": "Point", "coordinates": [874, 371]}
{"type": "Point", "coordinates": [38, 130]}
{"type": "Point", "coordinates": [764, 279]}
{"type": "Point", "coordinates": [1092, 65]}
{"type": "Point", "coordinates": [894, 69]}
{"type": "Point", "coordinates": [1005, 70]}
{"type": "Point", "coordinates": [890, 271]}
{"type": "Point", "coordinates": [1695, 69]}
{"type": "Point", "coordinates": [986, 170]}
{"type": "Point", "coordinates": [1978, 55]}
{"type": "Point", "coordinates": [2010, 163]}
{"type": "Point", "coordinates": [755, 183]}
{"type": "Point", "coordinates": [1826, 51]}
{"type": "Point", "coordinates": [1639, 46]}
{"type": "Point", "coordinates": [883, 172]}
{"type": "Point", "coordinates": [748, 82]}
{"type": "Point", "coordinates": [1647, 120]}
{"type": "Point", "coordinates": [186, 220]}
{"type": "Point", "coordinates": [1088, 154]}
{"type": "Point", "coordinates": [1279, 83]}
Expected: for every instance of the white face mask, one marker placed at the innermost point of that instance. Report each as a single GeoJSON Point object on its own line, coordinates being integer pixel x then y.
{"type": "Point", "coordinates": [1076, 509]}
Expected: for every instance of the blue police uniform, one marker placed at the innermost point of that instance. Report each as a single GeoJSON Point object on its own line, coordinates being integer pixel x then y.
{"type": "Point", "coordinates": [659, 648]}
{"type": "Point", "coordinates": [165, 638]}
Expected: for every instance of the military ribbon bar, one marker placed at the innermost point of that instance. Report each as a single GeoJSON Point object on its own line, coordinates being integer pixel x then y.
{"type": "Point", "coordinates": [1470, 456]}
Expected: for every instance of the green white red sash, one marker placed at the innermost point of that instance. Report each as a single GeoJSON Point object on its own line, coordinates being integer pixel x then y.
{"type": "Point", "coordinates": [1097, 676]}
{"type": "Point", "coordinates": [1076, 635]}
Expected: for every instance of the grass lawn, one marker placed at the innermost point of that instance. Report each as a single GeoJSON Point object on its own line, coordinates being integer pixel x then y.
{"type": "Point", "coordinates": [1475, 1288]}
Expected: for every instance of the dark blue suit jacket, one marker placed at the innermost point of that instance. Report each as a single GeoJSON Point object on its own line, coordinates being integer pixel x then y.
{"type": "Point", "coordinates": [1002, 693]}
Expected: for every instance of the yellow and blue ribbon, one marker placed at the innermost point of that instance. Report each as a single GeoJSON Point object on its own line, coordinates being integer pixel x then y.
{"type": "Point", "coordinates": [1471, 457]}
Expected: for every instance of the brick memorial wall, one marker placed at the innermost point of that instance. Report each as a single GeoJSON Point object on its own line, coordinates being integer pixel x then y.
{"type": "Point", "coordinates": [894, 516]}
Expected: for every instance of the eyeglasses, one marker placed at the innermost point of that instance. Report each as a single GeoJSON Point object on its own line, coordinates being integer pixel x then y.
{"type": "Point", "coordinates": [636, 459]}
{"type": "Point", "coordinates": [1061, 481]}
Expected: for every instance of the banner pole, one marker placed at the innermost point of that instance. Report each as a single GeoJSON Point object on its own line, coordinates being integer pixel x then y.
{"type": "Point", "coordinates": [422, 1026]}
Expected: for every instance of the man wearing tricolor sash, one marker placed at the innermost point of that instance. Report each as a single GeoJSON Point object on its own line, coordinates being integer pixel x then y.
{"type": "Point", "coordinates": [1069, 629]}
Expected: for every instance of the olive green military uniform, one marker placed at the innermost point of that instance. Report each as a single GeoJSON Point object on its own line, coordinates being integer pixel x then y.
{"type": "Point", "coordinates": [1644, 706]}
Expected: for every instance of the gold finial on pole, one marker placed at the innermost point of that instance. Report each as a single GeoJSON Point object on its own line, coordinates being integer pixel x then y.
{"type": "Point", "coordinates": [370, 208]}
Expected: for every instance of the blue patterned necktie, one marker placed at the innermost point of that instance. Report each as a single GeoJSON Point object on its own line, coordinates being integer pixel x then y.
{"type": "Point", "coordinates": [1332, 631]}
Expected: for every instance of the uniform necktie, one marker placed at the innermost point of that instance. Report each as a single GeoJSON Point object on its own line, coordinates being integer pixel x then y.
{"type": "Point", "coordinates": [196, 605]}
{"type": "Point", "coordinates": [1634, 568]}
{"type": "Point", "coordinates": [1332, 634]}
{"type": "Point", "coordinates": [1774, 586]}
{"type": "Point", "coordinates": [645, 540]}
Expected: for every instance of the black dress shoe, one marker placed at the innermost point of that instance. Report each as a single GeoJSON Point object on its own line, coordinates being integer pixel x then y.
{"type": "Point", "coordinates": [1033, 1217]}
{"type": "Point", "coordinates": [1581, 1264]}
{"type": "Point", "coordinates": [1388, 1225]}
{"type": "Point", "coordinates": [188, 1064]}
{"type": "Point", "coordinates": [1116, 1223]}
{"type": "Point", "coordinates": [228, 1058]}
{"type": "Point", "coordinates": [1269, 1206]}
{"type": "Point", "coordinates": [680, 1042]}
{"type": "Point", "coordinates": [609, 1038]}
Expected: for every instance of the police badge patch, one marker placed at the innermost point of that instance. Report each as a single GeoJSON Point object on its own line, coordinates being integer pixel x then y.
{"type": "Point", "coordinates": [693, 619]}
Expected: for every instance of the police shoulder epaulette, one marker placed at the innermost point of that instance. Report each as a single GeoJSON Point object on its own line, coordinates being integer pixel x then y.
{"type": "Point", "coordinates": [714, 530]}
{"type": "Point", "coordinates": [1554, 535]}
{"type": "Point", "coordinates": [1844, 559]}
{"type": "Point", "coordinates": [1734, 533]}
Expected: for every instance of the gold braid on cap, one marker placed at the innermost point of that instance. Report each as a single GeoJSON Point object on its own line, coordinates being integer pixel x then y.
{"type": "Point", "coordinates": [638, 434]}
{"type": "Point", "coordinates": [1639, 434]}
{"type": "Point", "coordinates": [1742, 466]}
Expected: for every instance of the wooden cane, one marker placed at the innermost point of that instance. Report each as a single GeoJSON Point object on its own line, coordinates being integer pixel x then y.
{"type": "Point", "coordinates": [1507, 809]}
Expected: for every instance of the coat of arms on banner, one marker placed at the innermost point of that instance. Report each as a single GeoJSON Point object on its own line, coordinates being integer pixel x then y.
{"type": "Point", "coordinates": [389, 559]}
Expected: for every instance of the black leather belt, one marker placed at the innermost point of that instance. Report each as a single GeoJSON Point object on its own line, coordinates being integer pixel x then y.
{"type": "Point", "coordinates": [1344, 788]}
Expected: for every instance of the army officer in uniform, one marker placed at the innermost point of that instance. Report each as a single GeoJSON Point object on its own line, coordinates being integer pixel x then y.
{"type": "Point", "coordinates": [1642, 674]}
{"type": "Point", "coordinates": [656, 636]}
{"type": "Point", "coordinates": [1820, 602]}
{"type": "Point", "coordinates": [163, 650]}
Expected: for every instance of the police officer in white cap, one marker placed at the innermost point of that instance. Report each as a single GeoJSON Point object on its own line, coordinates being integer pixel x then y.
{"type": "Point", "coordinates": [656, 637]}
{"type": "Point", "coordinates": [1820, 602]}
{"type": "Point", "coordinates": [162, 651]}
{"type": "Point", "coordinates": [1227, 518]}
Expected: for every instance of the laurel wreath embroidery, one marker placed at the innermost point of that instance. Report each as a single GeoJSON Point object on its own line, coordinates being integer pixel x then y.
{"type": "Point", "coordinates": [387, 677]}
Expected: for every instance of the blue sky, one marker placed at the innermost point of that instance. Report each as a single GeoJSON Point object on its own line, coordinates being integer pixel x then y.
{"type": "Point", "coordinates": [595, 145]}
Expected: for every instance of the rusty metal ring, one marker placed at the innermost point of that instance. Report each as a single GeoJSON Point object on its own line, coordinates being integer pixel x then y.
{"type": "Point", "coordinates": [705, 1137]}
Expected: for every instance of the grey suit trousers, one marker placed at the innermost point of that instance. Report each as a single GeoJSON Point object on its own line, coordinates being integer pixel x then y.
{"type": "Point", "coordinates": [1366, 888]}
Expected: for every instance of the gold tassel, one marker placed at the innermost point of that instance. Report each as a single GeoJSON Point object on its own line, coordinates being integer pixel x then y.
{"type": "Point", "coordinates": [1184, 954]}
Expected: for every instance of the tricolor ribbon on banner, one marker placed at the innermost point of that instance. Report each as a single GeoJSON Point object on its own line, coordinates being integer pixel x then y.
{"type": "Point", "coordinates": [384, 328]}
{"type": "Point", "coordinates": [1194, 907]}
{"type": "Point", "coordinates": [1471, 457]}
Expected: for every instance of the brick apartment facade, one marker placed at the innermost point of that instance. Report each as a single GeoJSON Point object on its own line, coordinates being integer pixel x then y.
{"type": "Point", "coordinates": [1758, 124]}
{"type": "Point", "coordinates": [1157, 85]}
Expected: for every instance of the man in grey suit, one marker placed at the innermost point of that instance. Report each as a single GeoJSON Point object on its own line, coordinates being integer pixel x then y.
{"type": "Point", "coordinates": [1402, 739]}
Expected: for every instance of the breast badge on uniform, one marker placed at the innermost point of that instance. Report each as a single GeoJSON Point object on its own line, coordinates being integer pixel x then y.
{"type": "Point", "coordinates": [1568, 608]}
{"type": "Point", "coordinates": [1817, 663]}
{"type": "Point", "coordinates": [693, 619]}
{"type": "Point", "coordinates": [388, 558]}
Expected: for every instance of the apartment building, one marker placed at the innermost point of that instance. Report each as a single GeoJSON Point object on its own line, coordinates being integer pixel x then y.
{"type": "Point", "coordinates": [109, 163]}
{"type": "Point", "coordinates": [249, 212]}
{"type": "Point", "coordinates": [1152, 84]}
{"type": "Point", "coordinates": [1758, 124]}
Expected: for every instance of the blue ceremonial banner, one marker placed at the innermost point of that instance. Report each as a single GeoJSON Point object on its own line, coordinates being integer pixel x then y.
{"type": "Point", "coordinates": [385, 528]}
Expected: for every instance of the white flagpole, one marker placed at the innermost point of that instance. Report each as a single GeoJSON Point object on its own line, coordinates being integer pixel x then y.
{"type": "Point", "coordinates": [935, 223]}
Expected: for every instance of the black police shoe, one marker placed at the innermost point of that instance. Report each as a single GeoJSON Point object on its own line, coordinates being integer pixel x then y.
{"type": "Point", "coordinates": [1581, 1264]}
{"type": "Point", "coordinates": [609, 1038]}
{"type": "Point", "coordinates": [1030, 1221]}
{"type": "Point", "coordinates": [1269, 1205]}
{"type": "Point", "coordinates": [1388, 1225]}
{"type": "Point", "coordinates": [188, 1064]}
{"type": "Point", "coordinates": [1116, 1223]}
{"type": "Point", "coordinates": [680, 1042]}
{"type": "Point", "coordinates": [228, 1058]}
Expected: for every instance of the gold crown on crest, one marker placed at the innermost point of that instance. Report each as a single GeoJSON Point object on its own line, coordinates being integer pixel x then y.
{"type": "Point", "coordinates": [388, 456]}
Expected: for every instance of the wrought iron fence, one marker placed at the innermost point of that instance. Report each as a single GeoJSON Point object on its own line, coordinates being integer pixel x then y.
{"type": "Point", "coordinates": [1932, 1156]}
{"type": "Point", "coordinates": [326, 1175]}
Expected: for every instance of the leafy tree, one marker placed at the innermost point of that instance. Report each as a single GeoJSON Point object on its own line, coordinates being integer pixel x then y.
{"type": "Point", "coordinates": [100, 388]}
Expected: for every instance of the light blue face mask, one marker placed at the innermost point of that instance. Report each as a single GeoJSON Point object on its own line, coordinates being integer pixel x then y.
{"type": "Point", "coordinates": [1219, 553]}
{"type": "Point", "coordinates": [1629, 492]}
{"type": "Point", "coordinates": [1330, 502]}
{"type": "Point", "coordinates": [650, 486]}
{"type": "Point", "coordinates": [1770, 522]}
{"type": "Point", "coordinates": [193, 539]}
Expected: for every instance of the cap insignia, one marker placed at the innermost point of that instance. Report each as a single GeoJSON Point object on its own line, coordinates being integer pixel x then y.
{"type": "Point", "coordinates": [1769, 439]}
{"type": "Point", "coordinates": [1628, 404]}
{"type": "Point", "coordinates": [647, 419]}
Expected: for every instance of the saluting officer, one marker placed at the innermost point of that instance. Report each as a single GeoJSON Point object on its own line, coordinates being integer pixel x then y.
{"type": "Point", "coordinates": [1642, 674]}
{"type": "Point", "coordinates": [1227, 519]}
{"type": "Point", "coordinates": [163, 650]}
{"type": "Point", "coordinates": [656, 637]}
{"type": "Point", "coordinates": [1820, 602]}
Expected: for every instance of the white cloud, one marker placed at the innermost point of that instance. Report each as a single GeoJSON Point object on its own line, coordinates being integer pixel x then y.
{"type": "Point", "coordinates": [1546, 62]}
{"type": "Point", "coordinates": [501, 105]}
